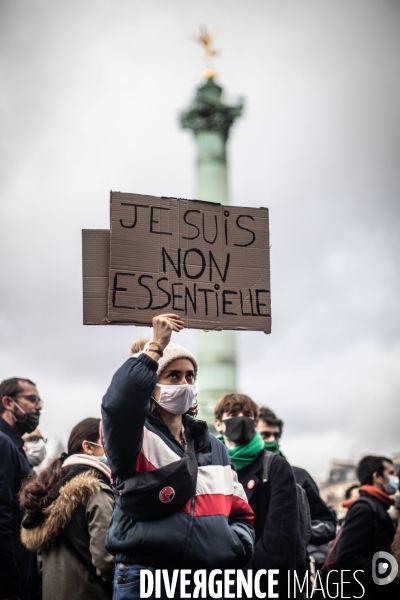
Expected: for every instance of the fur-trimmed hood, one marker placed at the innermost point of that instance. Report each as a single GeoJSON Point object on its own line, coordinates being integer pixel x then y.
{"type": "Point", "coordinates": [56, 516]}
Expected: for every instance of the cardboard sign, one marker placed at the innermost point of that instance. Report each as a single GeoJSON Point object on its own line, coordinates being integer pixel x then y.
{"type": "Point", "coordinates": [206, 262]}
{"type": "Point", "coordinates": [95, 266]}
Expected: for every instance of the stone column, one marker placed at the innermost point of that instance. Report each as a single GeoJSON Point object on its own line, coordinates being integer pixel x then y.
{"type": "Point", "coordinates": [210, 120]}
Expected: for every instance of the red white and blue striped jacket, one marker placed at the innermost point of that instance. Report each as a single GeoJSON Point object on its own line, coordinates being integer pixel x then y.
{"type": "Point", "coordinates": [213, 531]}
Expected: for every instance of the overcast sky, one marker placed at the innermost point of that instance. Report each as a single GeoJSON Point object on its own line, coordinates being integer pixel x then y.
{"type": "Point", "coordinates": [90, 97]}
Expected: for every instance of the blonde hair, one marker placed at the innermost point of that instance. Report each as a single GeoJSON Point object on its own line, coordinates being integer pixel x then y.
{"type": "Point", "coordinates": [138, 345]}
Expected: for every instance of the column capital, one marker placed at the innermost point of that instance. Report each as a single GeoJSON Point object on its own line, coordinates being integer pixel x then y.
{"type": "Point", "coordinates": [208, 113]}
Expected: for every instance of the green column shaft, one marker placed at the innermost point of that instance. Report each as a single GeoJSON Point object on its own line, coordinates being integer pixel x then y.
{"type": "Point", "coordinates": [212, 180]}
{"type": "Point", "coordinates": [210, 120]}
{"type": "Point", "coordinates": [216, 350]}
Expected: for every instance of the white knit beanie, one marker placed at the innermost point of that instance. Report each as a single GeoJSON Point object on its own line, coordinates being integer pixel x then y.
{"type": "Point", "coordinates": [171, 352]}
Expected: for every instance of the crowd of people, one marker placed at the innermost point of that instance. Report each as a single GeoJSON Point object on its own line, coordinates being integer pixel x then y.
{"type": "Point", "coordinates": [148, 489]}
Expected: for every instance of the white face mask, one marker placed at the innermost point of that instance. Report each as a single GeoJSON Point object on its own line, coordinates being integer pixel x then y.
{"type": "Point", "coordinates": [36, 452]}
{"type": "Point", "coordinates": [177, 399]}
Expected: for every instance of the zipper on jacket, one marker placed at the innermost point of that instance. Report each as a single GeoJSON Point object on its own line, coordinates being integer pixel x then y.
{"type": "Point", "coordinates": [189, 530]}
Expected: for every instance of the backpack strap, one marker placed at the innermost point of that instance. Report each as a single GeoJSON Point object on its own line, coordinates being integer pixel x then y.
{"type": "Point", "coordinates": [372, 505]}
{"type": "Point", "coordinates": [267, 460]}
{"type": "Point", "coordinates": [105, 585]}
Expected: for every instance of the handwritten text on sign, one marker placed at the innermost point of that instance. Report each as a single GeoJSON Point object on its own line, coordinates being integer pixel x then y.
{"type": "Point", "coordinates": [207, 262]}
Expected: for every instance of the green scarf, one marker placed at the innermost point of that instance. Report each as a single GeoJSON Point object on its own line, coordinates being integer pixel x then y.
{"type": "Point", "coordinates": [274, 447]}
{"type": "Point", "coordinates": [244, 455]}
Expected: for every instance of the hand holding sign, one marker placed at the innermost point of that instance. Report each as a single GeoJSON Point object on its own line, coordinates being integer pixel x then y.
{"type": "Point", "coordinates": [163, 326]}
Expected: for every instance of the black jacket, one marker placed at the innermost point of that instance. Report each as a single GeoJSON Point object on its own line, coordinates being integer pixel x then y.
{"type": "Point", "coordinates": [16, 561]}
{"type": "Point", "coordinates": [213, 529]}
{"type": "Point", "coordinates": [363, 535]}
{"type": "Point", "coordinates": [275, 506]}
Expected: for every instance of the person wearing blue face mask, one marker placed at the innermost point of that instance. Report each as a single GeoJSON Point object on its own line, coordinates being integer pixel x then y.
{"type": "Point", "coordinates": [368, 528]}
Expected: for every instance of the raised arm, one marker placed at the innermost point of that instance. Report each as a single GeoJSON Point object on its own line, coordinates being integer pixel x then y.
{"type": "Point", "coordinates": [127, 400]}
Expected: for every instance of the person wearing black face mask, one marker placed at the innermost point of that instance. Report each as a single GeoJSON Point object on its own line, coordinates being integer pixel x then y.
{"type": "Point", "coordinates": [20, 407]}
{"type": "Point", "coordinates": [277, 526]}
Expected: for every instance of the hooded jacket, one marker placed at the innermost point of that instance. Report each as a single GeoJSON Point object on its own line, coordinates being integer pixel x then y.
{"type": "Point", "coordinates": [81, 511]}
{"type": "Point", "coordinates": [214, 528]}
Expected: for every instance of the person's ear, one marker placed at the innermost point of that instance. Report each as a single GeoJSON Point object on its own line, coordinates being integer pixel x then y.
{"type": "Point", "coordinates": [87, 447]}
{"type": "Point", "coordinates": [219, 426]}
{"type": "Point", "coordinates": [7, 402]}
{"type": "Point", "coordinates": [375, 477]}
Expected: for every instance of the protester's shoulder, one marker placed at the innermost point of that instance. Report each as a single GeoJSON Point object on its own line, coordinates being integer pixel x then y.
{"type": "Point", "coordinates": [88, 490]}
{"type": "Point", "coordinates": [279, 464]}
{"type": "Point", "coordinates": [300, 472]}
{"type": "Point", "coordinates": [363, 508]}
{"type": "Point", "coordinates": [7, 446]}
{"type": "Point", "coordinates": [7, 453]}
{"type": "Point", "coordinates": [106, 487]}
{"type": "Point", "coordinates": [102, 497]}
{"type": "Point", "coordinates": [304, 478]}
{"type": "Point", "coordinates": [209, 445]}
{"type": "Point", "coordinates": [214, 441]}
{"type": "Point", "coordinates": [374, 506]}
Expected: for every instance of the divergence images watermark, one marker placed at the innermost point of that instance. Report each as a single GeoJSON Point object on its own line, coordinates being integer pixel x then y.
{"type": "Point", "coordinates": [381, 561]}
{"type": "Point", "coordinates": [229, 583]}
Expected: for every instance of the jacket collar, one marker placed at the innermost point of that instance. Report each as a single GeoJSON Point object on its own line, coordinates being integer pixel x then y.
{"type": "Point", "coordinates": [89, 461]}
{"type": "Point", "coordinates": [251, 475]}
{"type": "Point", "coordinates": [41, 530]}
{"type": "Point", "coordinates": [198, 429]}
{"type": "Point", "coordinates": [11, 433]}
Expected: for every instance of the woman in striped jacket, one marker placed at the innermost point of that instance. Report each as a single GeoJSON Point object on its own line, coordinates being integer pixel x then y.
{"type": "Point", "coordinates": [147, 418]}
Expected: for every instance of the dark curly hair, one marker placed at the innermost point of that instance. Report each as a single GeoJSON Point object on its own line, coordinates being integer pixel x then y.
{"type": "Point", "coordinates": [234, 404]}
{"type": "Point", "coordinates": [36, 489]}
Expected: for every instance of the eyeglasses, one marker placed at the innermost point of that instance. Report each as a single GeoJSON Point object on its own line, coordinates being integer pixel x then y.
{"type": "Point", "coordinates": [36, 438]}
{"type": "Point", "coordinates": [32, 399]}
